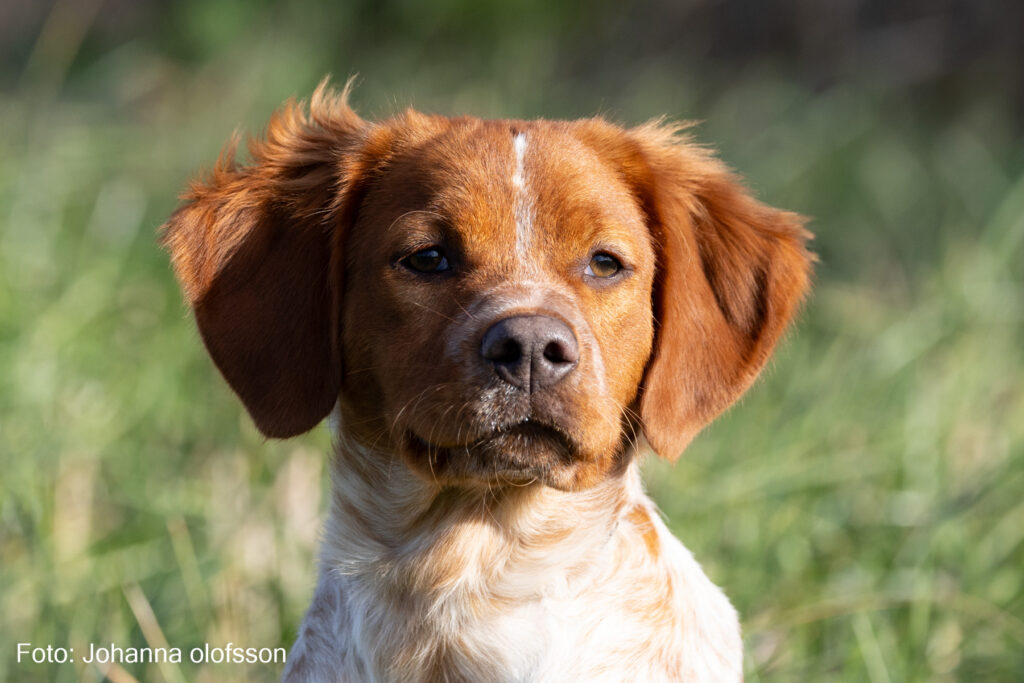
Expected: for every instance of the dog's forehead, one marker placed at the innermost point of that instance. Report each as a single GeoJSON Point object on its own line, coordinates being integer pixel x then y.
{"type": "Point", "coordinates": [520, 186]}
{"type": "Point", "coordinates": [506, 156]}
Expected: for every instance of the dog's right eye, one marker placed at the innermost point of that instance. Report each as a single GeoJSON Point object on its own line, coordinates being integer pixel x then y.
{"type": "Point", "coordinates": [429, 260]}
{"type": "Point", "coordinates": [604, 266]}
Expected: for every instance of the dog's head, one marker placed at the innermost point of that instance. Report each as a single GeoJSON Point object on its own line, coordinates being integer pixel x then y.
{"type": "Point", "coordinates": [498, 301]}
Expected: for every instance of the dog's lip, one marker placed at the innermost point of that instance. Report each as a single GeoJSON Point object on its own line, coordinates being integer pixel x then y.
{"type": "Point", "coordinates": [529, 428]}
{"type": "Point", "coordinates": [536, 428]}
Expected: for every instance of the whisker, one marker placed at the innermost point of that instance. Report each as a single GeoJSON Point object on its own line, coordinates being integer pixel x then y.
{"type": "Point", "coordinates": [389, 366]}
{"type": "Point", "coordinates": [428, 308]}
{"type": "Point", "coordinates": [416, 399]}
{"type": "Point", "coordinates": [464, 310]}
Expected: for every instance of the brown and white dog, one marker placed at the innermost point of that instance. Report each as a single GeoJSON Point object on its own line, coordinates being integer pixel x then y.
{"type": "Point", "coordinates": [504, 313]}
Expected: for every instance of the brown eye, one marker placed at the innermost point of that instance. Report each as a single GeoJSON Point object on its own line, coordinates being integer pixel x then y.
{"type": "Point", "coordinates": [603, 265]}
{"type": "Point", "coordinates": [430, 260]}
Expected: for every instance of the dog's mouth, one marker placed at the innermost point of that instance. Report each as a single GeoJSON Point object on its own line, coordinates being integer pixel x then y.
{"type": "Point", "coordinates": [527, 451]}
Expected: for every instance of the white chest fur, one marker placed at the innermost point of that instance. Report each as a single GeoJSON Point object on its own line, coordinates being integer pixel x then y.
{"type": "Point", "coordinates": [544, 586]}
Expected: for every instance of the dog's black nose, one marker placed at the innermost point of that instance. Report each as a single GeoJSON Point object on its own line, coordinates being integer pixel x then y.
{"type": "Point", "coordinates": [530, 351]}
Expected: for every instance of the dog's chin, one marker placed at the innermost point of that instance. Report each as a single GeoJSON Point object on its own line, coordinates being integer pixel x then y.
{"type": "Point", "coordinates": [520, 455]}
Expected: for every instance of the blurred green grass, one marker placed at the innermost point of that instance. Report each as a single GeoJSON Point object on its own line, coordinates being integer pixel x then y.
{"type": "Point", "coordinates": [862, 506]}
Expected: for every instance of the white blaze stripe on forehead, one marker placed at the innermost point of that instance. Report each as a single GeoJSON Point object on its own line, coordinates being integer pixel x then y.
{"type": "Point", "coordinates": [523, 205]}
{"type": "Point", "coordinates": [519, 177]}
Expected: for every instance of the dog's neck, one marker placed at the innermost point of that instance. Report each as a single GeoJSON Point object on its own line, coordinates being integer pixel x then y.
{"type": "Point", "coordinates": [419, 538]}
{"type": "Point", "coordinates": [420, 582]}
{"type": "Point", "coordinates": [433, 578]}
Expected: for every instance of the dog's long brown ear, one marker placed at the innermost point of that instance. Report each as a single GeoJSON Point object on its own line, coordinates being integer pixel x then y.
{"type": "Point", "coordinates": [731, 273]}
{"type": "Point", "coordinates": [256, 249]}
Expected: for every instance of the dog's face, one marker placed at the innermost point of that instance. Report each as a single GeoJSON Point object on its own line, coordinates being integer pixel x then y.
{"type": "Point", "coordinates": [497, 301]}
{"type": "Point", "coordinates": [497, 307]}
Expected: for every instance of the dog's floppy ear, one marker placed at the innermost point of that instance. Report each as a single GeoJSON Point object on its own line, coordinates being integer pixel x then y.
{"type": "Point", "coordinates": [731, 273]}
{"type": "Point", "coordinates": [256, 249]}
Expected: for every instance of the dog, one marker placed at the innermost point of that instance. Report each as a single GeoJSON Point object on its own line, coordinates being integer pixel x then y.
{"type": "Point", "coordinates": [500, 317]}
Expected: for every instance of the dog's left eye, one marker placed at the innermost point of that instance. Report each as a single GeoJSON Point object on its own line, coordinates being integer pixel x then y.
{"type": "Point", "coordinates": [603, 265]}
{"type": "Point", "coordinates": [429, 260]}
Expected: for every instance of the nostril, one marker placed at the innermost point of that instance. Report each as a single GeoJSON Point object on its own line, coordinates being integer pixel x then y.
{"type": "Point", "coordinates": [506, 350]}
{"type": "Point", "coordinates": [501, 346]}
{"type": "Point", "coordinates": [557, 351]}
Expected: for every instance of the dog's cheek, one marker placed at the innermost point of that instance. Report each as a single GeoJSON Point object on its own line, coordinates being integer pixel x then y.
{"type": "Point", "coordinates": [637, 343]}
{"type": "Point", "coordinates": [626, 339]}
{"type": "Point", "coordinates": [417, 374]}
